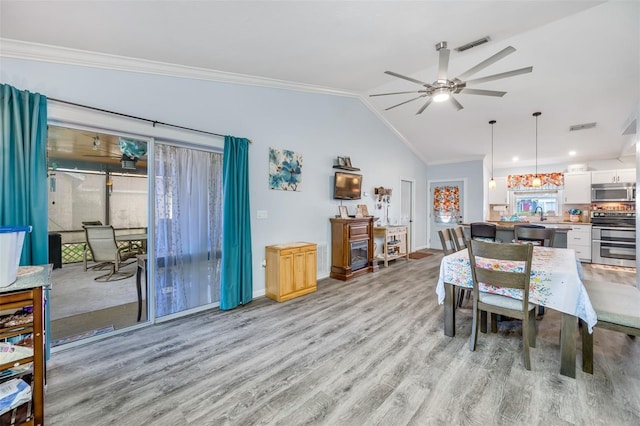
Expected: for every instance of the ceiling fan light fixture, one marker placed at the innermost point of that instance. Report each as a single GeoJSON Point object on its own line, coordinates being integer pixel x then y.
{"type": "Point", "coordinates": [440, 95]}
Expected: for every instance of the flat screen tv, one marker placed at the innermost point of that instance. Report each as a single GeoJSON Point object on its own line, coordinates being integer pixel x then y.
{"type": "Point", "coordinates": [347, 186]}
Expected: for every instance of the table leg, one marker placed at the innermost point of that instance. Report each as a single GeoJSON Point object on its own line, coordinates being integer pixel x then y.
{"type": "Point", "coordinates": [568, 345]}
{"type": "Point", "coordinates": [139, 288]}
{"type": "Point", "coordinates": [449, 310]}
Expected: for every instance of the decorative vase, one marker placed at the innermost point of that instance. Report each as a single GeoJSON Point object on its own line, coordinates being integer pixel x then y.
{"type": "Point", "coordinates": [574, 218]}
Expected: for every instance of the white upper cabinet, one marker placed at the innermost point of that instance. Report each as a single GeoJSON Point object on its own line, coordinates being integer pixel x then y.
{"type": "Point", "coordinates": [577, 188]}
{"type": "Point", "coordinates": [613, 176]}
{"type": "Point", "coordinates": [500, 194]}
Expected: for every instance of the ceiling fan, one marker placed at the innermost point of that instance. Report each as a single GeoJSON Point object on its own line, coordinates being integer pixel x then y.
{"type": "Point", "coordinates": [443, 88]}
{"type": "Point", "coordinates": [132, 150]}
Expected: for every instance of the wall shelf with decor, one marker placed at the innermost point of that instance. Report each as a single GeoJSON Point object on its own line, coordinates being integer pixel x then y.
{"type": "Point", "coordinates": [351, 169]}
{"type": "Point", "coordinates": [344, 163]}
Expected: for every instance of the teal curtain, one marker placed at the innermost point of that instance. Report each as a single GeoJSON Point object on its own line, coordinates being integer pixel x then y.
{"type": "Point", "coordinates": [23, 169]}
{"type": "Point", "coordinates": [236, 286]}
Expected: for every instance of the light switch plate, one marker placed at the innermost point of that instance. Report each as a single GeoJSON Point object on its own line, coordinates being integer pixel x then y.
{"type": "Point", "coordinates": [262, 214]}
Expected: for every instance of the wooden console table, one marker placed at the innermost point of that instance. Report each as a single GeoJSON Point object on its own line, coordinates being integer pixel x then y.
{"type": "Point", "coordinates": [395, 242]}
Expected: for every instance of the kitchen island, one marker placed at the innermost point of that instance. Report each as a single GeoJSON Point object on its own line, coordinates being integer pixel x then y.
{"type": "Point", "coordinates": [505, 233]}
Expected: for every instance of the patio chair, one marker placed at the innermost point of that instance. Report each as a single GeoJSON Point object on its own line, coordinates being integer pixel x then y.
{"type": "Point", "coordinates": [102, 243]}
{"type": "Point", "coordinates": [512, 279]}
{"type": "Point", "coordinates": [86, 250]}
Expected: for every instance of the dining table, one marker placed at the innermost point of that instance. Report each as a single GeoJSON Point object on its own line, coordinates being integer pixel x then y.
{"type": "Point", "coordinates": [556, 283]}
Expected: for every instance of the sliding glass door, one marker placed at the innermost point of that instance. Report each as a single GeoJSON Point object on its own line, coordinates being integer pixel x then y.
{"type": "Point", "coordinates": [188, 228]}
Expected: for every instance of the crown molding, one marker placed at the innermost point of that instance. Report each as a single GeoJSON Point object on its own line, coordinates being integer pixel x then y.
{"type": "Point", "coordinates": [17, 49]}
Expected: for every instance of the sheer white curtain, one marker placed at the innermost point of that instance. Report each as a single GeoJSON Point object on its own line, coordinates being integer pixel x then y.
{"type": "Point", "coordinates": [188, 228]}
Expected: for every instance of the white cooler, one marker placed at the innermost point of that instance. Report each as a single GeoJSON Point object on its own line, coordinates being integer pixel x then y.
{"type": "Point", "coordinates": [11, 239]}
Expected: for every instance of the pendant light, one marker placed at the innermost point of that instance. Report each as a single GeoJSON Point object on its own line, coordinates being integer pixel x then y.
{"type": "Point", "coordinates": [492, 182]}
{"type": "Point", "coordinates": [536, 182]}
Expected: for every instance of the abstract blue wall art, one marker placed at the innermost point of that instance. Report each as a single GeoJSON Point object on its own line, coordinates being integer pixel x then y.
{"type": "Point", "coordinates": [285, 170]}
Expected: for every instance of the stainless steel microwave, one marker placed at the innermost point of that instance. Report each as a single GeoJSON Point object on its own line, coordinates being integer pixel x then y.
{"type": "Point", "coordinates": [613, 192]}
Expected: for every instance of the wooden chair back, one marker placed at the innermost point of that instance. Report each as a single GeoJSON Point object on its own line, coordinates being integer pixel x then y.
{"type": "Point", "coordinates": [457, 234]}
{"type": "Point", "coordinates": [540, 236]}
{"type": "Point", "coordinates": [448, 246]}
{"type": "Point", "coordinates": [483, 230]}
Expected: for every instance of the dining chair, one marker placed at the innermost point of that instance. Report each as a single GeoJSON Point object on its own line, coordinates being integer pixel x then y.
{"type": "Point", "coordinates": [457, 234]}
{"type": "Point", "coordinates": [459, 239]}
{"type": "Point", "coordinates": [512, 277]}
{"type": "Point", "coordinates": [483, 230]}
{"type": "Point", "coordinates": [102, 243]}
{"type": "Point", "coordinates": [448, 245]}
{"type": "Point", "coordinates": [538, 236]}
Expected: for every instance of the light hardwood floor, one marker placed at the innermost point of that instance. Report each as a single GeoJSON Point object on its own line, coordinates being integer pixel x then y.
{"type": "Point", "coordinates": [370, 351]}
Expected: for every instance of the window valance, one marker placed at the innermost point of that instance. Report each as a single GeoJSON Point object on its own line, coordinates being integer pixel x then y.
{"type": "Point", "coordinates": [524, 182]}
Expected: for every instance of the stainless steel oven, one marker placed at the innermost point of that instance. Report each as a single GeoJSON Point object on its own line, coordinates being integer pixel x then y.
{"type": "Point", "coordinates": [613, 238]}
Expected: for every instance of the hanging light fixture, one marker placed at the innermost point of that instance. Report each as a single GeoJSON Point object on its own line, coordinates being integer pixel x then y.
{"type": "Point", "coordinates": [536, 182]}
{"type": "Point", "coordinates": [492, 182]}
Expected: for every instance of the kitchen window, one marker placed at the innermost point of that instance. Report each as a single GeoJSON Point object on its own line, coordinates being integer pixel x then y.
{"type": "Point", "coordinates": [525, 203]}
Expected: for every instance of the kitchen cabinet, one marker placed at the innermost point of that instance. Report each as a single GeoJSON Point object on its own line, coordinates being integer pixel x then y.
{"type": "Point", "coordinates": [579, 239]}
{"type": "Point", "coordinates": [500, 195]}
{"type": "Point", "coordinates": [291, 270]}
{"type": "Point", "coordinates": [22, 324]}
{"type": "Point", "coordinates": [613, 176]}
{"type": "Point", "coordinates": [395, 242]}
{"type": "Point", "coordinates": [577, 188]}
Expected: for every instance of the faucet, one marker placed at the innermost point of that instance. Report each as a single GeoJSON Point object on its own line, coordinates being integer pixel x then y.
{"type": "Point", "coordinates": [541, 213]}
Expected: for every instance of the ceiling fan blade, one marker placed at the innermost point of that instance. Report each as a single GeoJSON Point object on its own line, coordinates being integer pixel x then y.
{"type": "Point", "coordinates": [482, 65]}
{"type": "Point", "coordinates": [468, 91]}
{"type": "Point", "coordinates": [424, 106]}
{"type": "Point", "coordinates": [455, 103]}
{"type": "Point", "coordinates": [405, 102]}
{"type": "Point", "coordinates": [398, 93]}
{"type": "Point", "coordinates": [395, 74]}
{"type": "Point", "coordinates": [443, 64]}
{"type": "Point", "coordinates": [501, 75]}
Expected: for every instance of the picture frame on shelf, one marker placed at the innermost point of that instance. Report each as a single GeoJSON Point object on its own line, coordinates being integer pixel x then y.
{"type": "Point", "coordinates": [341, 162]}
{"type": "Point", "coordinates": [344, 213]}
{"type": "Point", "coordinates": [363, 209]}
{"type": "Point", "coordinates": [347, 161]}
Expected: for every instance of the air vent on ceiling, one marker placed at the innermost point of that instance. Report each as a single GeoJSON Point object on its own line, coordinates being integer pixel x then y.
{"type": "Point", "coordinates": [585, 126]}
{"type": "Point", "coordinates": [475, 43]}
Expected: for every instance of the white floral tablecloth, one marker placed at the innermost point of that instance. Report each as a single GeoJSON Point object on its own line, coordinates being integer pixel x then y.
{"type": "Point", "coordinates": [555, 281]}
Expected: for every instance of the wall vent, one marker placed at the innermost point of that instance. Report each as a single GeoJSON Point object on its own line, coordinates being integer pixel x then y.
{"type": "Point", "coordinates": [323, 260]}
{"type": "Point", "coordinates": [473, 44]}
{"type": "Point", "coordinates": [585, 126]}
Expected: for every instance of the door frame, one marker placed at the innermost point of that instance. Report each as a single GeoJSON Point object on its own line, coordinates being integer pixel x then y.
{"type": "Point", "coordinates": [412, 212]}
{"type": "Point", "coordinates": [430, 202]}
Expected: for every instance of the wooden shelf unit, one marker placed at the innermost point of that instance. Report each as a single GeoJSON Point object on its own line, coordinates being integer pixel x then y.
{"type": "Point", "coordinates": [395, 242]}
{"type": "Point", "coordinates": [344, 233]}
{"type": "Point", "coordinates": [26, 292]}
{"type": "Point", "coordinates": [291, 270]}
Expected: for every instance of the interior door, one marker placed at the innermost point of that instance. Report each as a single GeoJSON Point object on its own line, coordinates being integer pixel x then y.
{"type": "Point", "coordinates": [446, 208]}
{"type": "Point", "coordinates": [406, 209]}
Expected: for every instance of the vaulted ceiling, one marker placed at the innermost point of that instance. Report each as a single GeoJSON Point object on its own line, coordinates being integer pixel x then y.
{"type": "Point", "coordinates": [585, 57]}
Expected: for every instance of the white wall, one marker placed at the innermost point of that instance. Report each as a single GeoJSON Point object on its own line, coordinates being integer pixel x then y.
{"type": "Point", "coordinates": [319, 126]}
